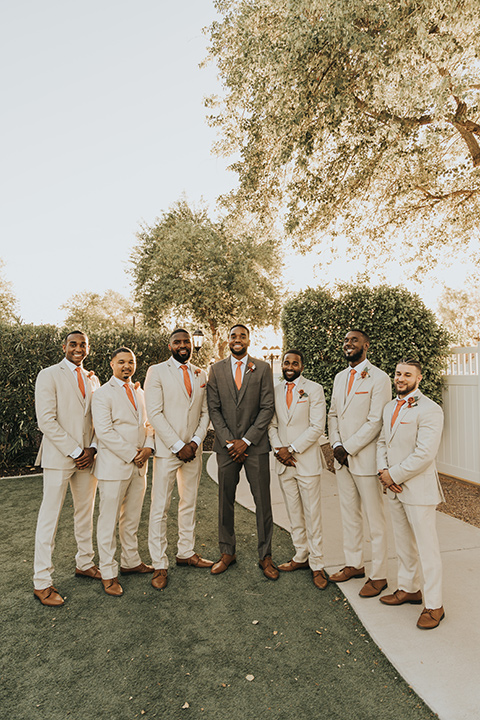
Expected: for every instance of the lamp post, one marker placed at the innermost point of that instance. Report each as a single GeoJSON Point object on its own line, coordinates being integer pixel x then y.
{"type": "Point", "coordinates": [271, 354]}
{"type": "Point", "coordinates": [198, 338]}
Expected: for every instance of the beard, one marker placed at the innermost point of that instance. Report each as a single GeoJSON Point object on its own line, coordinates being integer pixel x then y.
{"type": "Point", "coordinates": [181, 358]}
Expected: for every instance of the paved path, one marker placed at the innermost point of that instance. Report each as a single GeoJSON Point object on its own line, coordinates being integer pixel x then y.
{"type": "Point", "coordinates": [441, 665]}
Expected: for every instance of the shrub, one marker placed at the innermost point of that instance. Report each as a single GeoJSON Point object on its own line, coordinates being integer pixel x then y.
{"type": "Point", "coordinates": [396, 320]}
{"type": "Point", "coordinates": [26, 349]}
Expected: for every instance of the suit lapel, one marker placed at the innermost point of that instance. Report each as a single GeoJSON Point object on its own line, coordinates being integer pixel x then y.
{"type": "Point", "coordinates": [124, 397]}
{"type": "Point", "coordinates": [72, 379]}
{"type": "Point", "coordinates": [226, 369]}
{"type": "Point", "coordinates": [246, 379]}
{"type": "Point", "coordinates": [295, 399]}
{"type": "Point", "coordinates": [177, 378]}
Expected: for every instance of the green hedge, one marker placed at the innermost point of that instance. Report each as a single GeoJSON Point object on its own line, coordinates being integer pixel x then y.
{"type": "Point", "coordinates": [26, 349]}
{"type": "Point", "coordinates": [398, 323]}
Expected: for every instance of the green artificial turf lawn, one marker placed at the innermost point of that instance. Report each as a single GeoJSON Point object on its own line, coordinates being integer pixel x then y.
{"type": "Point", "coordinates": [184, 652]}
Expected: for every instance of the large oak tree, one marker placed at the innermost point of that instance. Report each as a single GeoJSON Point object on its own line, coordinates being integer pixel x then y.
{"type": "Point", "coordinates": [210, 273]}
{"type": "Point", "coordinates": [357, 118]}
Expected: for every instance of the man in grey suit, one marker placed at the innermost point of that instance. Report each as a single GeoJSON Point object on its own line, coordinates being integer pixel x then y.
{"type": "Point", "coordinates": [241, 405]}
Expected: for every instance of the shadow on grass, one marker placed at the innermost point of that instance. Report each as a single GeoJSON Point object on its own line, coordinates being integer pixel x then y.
{"type": "Point", "coordinates": [150, 653]}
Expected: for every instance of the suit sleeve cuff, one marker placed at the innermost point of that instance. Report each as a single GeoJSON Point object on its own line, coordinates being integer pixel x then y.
{"type": "Point", "coordinates": [246, 441]}
{"type": "Point", "coordinates": [76, 453]}
{"type": "Point", "coordinates": [177, 447]}
{"type": "Point", "coordinates": [197, 440]}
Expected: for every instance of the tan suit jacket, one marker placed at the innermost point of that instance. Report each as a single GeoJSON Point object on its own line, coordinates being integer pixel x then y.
{"type": "Point", "coordinates": [121, 430]}
{"type": "Point", "coordinates": [409, 449]}
{"type": "Point", "coordinates": [174, 415]}
{"type": "Point", "coordinates": [63, 415]}
{"type": "Point", "coordinates": [355, 421]}
{"type": "Point", "coordinates": [301, 425]}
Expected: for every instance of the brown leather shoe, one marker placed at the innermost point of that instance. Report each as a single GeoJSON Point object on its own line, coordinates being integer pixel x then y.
{"type": "Point", "coordinates": [372, 588]}
{"type": "Point", "coordinates": [292, 565]}
{"type": "Point", "coordinates": [269, 569]}
{"type": "Point", "coordinates": [49, 596]}
{"type": "Point", "coordinates": [92, 572]}
{"type": "Point", "coordinates": [320, 579]}
{"type": "Point", "coordinates": [347, 573]}
{"type": "Point", "coordinates": [142, 568]}
{"type": "Point", "coordinates": [221, 565]}
{"type": "Point", "coordinates": [401, 596]}
{"type": "Point", "coordinates": [160, 579]}
{"type": "Point", "coordinates": [195, 561]}
{"type": "Point", "coordinates": [112, 587]}
{"type": "Point", "coordinates": [430, 619]}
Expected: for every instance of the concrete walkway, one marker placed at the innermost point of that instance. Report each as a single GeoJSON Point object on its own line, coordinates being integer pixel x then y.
{"type": "Point", "coordinates": [441, 665]}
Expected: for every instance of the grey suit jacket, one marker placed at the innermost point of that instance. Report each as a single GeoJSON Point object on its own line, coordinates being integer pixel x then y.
{"type": "Point", "coordinates": [64, 416]}
{"type": "Point", "coordinates": [241, 413]}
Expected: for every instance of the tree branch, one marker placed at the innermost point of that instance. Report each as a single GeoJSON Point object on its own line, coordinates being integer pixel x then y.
{"type": "Point", "coordinates": [386, 117]}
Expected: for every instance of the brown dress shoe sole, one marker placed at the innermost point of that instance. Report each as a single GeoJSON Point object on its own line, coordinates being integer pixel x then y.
{"type": "Point", "coordinates": [221, 562]}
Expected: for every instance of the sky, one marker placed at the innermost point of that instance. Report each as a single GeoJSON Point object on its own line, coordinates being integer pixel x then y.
{"type": "Point", "coordinates": [102, 129]}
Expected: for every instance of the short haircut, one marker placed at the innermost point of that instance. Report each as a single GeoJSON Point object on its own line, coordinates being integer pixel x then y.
{"type": "Point", "coordinates": [239, 325]}
{"type": "Point", "coordinates": [362, 332]}
{"type": "Point", "coordinates": [411, 361]}
{"type": "Point", "coordinates": [178, 330]}
{"type": "Point", "coordinates": [293, 351]}
{"type": "Point", "coordinates": [75, 332]}
{"type": "Point", "coordinates": [120, 350]}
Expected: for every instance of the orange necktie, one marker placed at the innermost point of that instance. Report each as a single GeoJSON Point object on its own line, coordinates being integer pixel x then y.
{"type": "Point", "coordinates": [129, 392]}
{"type": "Point", "coordinates": [80, 380]}
{"type": "Point", "coordinates": [186, 380]}
{"type": "Point", "coordinates": [400, 404]}
{"type": "Point", "coordinates": [289, 396]}
{"type": "Point", "coordinates": [238, 375]}
{"type": "Point", "coordinates": [350, 380]}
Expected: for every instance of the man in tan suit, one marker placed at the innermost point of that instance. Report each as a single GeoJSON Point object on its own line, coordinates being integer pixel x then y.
{"type": "Point", "coordinates": [294, 432]}
{"type": "Point", "coordinates": [406, 450]}
{"type": "Point", "coordinates": [175, 395]}
{"type": "Point", "coordinates": [63, 395]}
{"type": "Point", "coordinates": [360, 392]}
{"type": "Point", "coordinates": [125, 442]}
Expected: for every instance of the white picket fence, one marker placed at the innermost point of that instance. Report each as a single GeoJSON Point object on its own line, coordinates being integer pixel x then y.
{"type": "Point", "coordinates": [459, 453]}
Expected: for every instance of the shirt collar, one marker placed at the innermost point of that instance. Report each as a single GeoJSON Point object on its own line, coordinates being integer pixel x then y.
{"type": "Point", "coordinates": [178, 365]}
{"type": "Point", "coordinates": [360, 367]}
{"type": "Point", "coordinates": [236, 360]}
{"type": "Point", "coordinates": [123, 382]}
{"type": "Point", "coordinates": [295, 382]}
{"type": "Point", "coordinates": [71, 366]}
{"type": "Point", "coordinates": [407, 397]}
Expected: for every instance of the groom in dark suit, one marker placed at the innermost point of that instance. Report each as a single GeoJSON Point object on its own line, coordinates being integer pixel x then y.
{"type": "Point", "coordinates": [241, 404]}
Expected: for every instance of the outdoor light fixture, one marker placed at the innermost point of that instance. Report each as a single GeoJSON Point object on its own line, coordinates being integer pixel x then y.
{"type": "Point", "coordinates": [271, 354]}
{"type": "Point", "coordinates": [198, 338]}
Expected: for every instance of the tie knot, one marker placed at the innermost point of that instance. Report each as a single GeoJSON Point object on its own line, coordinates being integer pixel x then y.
{"type": "Point", "coordinates": [401, 402]}
{"type": "Point", "coordinates": [352, 371]}
{"type": "Point", "coordinates": [290, 384]}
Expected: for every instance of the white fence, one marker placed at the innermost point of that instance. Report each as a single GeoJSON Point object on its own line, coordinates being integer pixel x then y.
{"type": "Point", "coordinates": [459, 453]}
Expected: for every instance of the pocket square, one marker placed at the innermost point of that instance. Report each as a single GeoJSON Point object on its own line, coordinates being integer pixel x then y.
{"type": "Point", "coordinates": [204, 385]}
{"type": "Point", "coordinates": [364, 392]}
{"type": "Point", "coordinates": [301, 401]}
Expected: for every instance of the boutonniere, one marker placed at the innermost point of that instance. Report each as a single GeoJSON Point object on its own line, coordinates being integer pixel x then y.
{"type": "Point", "coordinates": [412, 401]}
{"type": "Point", "coordinates": [251, 366]}
{"type": "Point", "coordinates": [302, 393]}
{"type": "Point", "coordinates": [197, 372]}
{"type": "Point", "coordinates": [365, 373]}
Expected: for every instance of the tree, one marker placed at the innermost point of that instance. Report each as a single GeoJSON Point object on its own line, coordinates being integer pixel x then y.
{"type": "Point", "coordinates": [354, 118]}
{"type": "Point", "coordinates": [459, 311]}
{"type": "Point", "coordinates": [396, 320]}
{"type": "Point", "coordinates": [91, 311]}
{"type": "Point", "coordinates": [208, 272]}
{"type": "Point", "coordinates": [8, 301]}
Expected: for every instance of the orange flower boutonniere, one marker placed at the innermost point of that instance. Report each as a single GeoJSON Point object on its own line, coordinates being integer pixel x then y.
{"type": "Point", "coordinates": [302, 393]}
{"type": "Point", "coordinates": [197, 372]}
{"type": "Point", "coordinates": [412, 401]}
{"type": "Point", "coordinates": [365, 373]}
{"type": "Point", "coordinates": [251, 367]}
